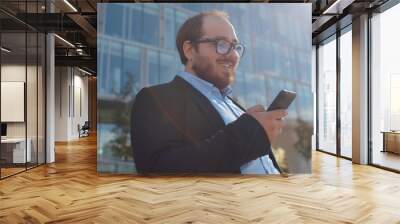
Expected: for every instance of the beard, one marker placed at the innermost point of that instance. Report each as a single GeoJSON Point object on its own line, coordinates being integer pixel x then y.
{"type": "Point", "coordinates": [209, 72]}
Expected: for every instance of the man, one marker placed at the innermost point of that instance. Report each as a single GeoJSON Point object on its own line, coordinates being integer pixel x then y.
{"type": "Point", "coordinates": [191, 124]}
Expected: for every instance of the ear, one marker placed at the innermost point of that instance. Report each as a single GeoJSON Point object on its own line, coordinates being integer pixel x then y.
{"type": "Point", "coordinates": [188, 50]}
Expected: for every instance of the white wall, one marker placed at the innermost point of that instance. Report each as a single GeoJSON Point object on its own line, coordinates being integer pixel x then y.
{"type": "Point", "coordinates": [33, 126]}
{"type": "Point", "coordinates": [12, 73]}
{"type": "Point", "coordinates": [16, 73]}
{"type": "Point", "coordinates": [12, 101]}
{"type": "Point", "coordinates": [61, 103]}
{"type": "Point", "coordinates": [71, 94]}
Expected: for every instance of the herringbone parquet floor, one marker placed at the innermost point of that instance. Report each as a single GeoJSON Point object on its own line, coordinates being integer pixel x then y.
{"type": "Point", "coordinates": [71, 191]}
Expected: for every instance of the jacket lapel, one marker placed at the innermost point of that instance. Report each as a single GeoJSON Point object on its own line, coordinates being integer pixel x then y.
{"type": "Point", "coordinates": [237, 104]}
{"type": "Point", "coordinates": [203, 104]}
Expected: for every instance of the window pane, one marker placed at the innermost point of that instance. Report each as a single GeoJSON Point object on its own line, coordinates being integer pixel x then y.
{"type": "Point", "coordinates": [114, 18]}
{"type": "Point", "coordinates": [131, 70]}
{"type": "Point", "coordinates": [153, 65]}
{"type": "Point", "coordinates": [151, 24]}
{"type": "Point", "coordinates": [167, 67]}
{"type": "Point", "coordinates": [169, 28]}
{"type": "Point", "coordinates": [327, 97]}
{"type": "Point", "coordinates": [385, 85]}
{"type": "Point", "coordinates": [136, 21]}
{"type": "Point", "coordinates": [346, 94]}
{"type": "Point", "coordinates": [14, 153]}
{"type": "Point", "coordinates": [102, 56]}
{"type": "Point", "coordinates": [114, 73]}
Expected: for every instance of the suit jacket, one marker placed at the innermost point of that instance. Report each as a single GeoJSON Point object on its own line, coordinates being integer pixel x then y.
{"type": "Point", "coordinates": [175, 129]}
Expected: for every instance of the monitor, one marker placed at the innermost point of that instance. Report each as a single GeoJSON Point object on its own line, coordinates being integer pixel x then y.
{"type": "Point", "coordinates": [3, 129]}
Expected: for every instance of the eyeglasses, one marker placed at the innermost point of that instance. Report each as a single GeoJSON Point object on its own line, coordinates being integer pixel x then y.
{"type": "Point", "coordinates": [223, 47]}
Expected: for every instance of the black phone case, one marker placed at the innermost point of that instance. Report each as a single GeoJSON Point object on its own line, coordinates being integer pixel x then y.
{"type": "Point", "coordinates": [282, 100]}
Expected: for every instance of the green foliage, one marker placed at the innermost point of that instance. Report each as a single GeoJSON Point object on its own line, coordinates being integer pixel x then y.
{"type": "Point", "coordinates": [120, 146]}
{"type": "Point", "coordinates": [304, 132]}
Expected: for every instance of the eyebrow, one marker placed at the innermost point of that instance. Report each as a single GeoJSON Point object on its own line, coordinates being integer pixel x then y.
{"type": "Point", "coordinates": [227, 39]}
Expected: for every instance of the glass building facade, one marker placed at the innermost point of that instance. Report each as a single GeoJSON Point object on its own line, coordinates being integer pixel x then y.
{"type": "Point", "coordinates": [136, 48]}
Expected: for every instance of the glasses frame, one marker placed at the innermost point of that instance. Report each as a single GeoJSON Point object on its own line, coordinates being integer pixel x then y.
{"type": "Point", "coordinates": [216, 40]}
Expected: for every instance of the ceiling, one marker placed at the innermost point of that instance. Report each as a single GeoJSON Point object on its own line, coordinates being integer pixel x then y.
{"type": "Point", "coordinates": [76, 21]}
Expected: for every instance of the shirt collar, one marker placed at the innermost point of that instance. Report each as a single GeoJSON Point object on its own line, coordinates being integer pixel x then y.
{"type": "Point", "coordinates": [203, 85]}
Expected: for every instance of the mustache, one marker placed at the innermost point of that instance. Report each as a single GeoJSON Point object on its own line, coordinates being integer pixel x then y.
{"type": "Point", "coordinates": [227, 61]}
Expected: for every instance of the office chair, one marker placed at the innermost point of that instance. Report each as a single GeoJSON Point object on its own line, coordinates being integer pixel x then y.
{"type": "Point", "coordinates": [84, 130]}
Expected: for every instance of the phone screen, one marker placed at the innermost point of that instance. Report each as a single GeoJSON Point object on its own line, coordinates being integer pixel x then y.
{"type": "Point", "coordinates": [283, 100]}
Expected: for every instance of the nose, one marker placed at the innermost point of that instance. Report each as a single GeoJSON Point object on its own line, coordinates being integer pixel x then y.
{"type": "Point", "coordinates": [234, 55]}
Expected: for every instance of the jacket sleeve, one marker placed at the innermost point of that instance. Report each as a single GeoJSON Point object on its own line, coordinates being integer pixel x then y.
{"type": "Point", "coordinates": [158, 143]}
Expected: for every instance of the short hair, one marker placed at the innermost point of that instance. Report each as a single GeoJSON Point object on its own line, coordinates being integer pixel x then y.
{"type": "Point", "coordinates": [191, 30]}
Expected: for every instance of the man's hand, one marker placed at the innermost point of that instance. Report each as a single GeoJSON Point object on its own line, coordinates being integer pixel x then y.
{"type": "Point", "coordinates": [271, 121]}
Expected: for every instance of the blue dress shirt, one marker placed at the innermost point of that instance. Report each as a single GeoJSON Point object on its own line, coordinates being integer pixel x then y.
{"type": "Point", "coordinates": [229, 113]}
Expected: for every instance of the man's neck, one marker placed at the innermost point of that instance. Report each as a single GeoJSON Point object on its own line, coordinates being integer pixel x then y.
{"type": "Point", "coordinates": [189, 70]}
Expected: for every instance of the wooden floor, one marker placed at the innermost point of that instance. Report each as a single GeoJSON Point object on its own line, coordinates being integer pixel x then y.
{"type": "Point", "coordinates": [71, 191]}
{"type": "Point", "coordinates": [387, 159]}
{"type": "Point", "coordinates": [10, 171]}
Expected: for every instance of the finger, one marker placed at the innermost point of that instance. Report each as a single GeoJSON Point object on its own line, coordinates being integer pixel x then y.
{"type": "Point", "coordinates": [256, 108]}
{"type": "Point", "coordinates": [277, 114]}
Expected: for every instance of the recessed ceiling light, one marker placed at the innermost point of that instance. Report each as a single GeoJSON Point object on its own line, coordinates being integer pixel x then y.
{"type": "Point", "coordinates": [5, 50]}
{"type": "Point", "coordinates": [86, 72]}
{"type": "Point", "coordinates": [65, 41]}
{"type": "Point", "coordinates": [337, 7]}
{"type": "Point", "coordinates": [70, 5]}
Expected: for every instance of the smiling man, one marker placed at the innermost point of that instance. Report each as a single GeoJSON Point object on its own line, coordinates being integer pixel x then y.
{"type": "Point", "coordinates": [191, 125]}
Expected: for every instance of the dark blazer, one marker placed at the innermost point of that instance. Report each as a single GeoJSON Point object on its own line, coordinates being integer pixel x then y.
{"type": "Point", "coordinates": [175, 129]}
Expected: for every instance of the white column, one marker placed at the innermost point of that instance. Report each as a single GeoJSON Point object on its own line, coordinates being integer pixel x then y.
{"type": "Point", "coordinates": [313, 90]}
{"type": "Point", "coordinates": [360, 90]}
{"type": "Point", "coordinates": [50, 100]}
{"type": "Point", "coordinates": [50, 93]}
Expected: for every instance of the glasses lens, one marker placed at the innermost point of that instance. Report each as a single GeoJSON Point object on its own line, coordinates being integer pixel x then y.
{"type": "Point", "coordinates": [239, 49]}
{"type": "Point", "coordinates": [223, 46]}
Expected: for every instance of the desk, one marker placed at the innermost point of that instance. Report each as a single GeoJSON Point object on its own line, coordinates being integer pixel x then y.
{"type": "Point", "coordinates": [391, 141]}
{"type": "Point", "coordinates": [16, 147]}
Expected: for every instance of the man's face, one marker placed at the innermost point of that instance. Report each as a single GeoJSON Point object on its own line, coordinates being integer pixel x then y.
{"type": "Point", "coordinates": [206, 63]}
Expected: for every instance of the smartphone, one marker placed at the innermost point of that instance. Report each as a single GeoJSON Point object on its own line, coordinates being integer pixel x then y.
{"type": "Point", "coordinates": [283, 100]}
